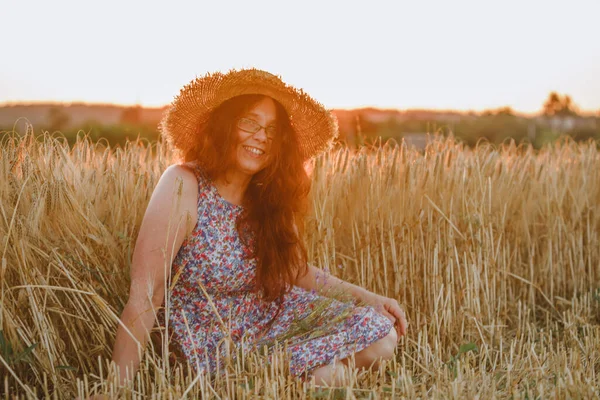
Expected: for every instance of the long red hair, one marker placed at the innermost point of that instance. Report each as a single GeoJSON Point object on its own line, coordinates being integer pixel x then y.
{"type": "Point", "coordinates": [275, 201]}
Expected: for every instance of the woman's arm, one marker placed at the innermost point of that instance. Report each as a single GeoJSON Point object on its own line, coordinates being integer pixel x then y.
{"type": "Point", "coordinates": [167, 221]}
{"type": "Point", "coordinates": [319, 280]}
{"type": "Point", "coordinates": [135, 322]}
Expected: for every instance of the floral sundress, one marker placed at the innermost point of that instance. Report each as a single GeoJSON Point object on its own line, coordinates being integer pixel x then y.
{"type": "Point", "coordinates": [211, 261]}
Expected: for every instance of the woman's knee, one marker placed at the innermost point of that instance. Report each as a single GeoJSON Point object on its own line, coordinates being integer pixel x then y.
{"type": "Point", "coordinates": [388, 344]}
{"type": "Point", "coordinates": [385, 346]}
{"type": "Point", "coordinates": [381, 349]}
{"type": "Point", "coordinates": [393, 336]}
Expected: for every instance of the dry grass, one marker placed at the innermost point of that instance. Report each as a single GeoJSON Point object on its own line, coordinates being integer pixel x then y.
{"type": "Point", "coordinates": [492, 251]}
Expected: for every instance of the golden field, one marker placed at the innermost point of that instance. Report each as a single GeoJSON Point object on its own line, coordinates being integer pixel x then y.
{"type": "Point", "coordinates": [493, 252]}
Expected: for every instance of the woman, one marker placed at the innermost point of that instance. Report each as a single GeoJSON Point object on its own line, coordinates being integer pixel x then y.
{"type": "Point", "coordinates": [235, 265]}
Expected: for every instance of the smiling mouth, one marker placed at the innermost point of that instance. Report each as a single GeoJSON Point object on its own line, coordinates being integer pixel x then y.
{"type": "Point", "coordinates": [254, 151]}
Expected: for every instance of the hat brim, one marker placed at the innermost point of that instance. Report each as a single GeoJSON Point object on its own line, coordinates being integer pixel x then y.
{"type": "Point", "coordinates": [316, 127]}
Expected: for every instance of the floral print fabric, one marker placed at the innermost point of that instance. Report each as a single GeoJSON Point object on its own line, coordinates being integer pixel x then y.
{"type": "Point", "coordinates": [211, 262]}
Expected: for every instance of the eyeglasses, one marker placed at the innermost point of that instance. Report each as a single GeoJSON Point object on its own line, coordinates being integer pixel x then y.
{"type": "Point", "coordinates": [251, 126]}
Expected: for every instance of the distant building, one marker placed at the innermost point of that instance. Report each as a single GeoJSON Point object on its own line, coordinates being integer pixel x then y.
{"type": "Point", "coordinates": [567, 123]}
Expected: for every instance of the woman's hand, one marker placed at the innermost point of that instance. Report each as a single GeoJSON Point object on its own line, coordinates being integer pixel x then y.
{"type": "Point", "coordinates": [390, 308]}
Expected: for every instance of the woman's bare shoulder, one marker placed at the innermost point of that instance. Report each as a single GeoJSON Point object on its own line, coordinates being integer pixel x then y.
{"type": "Point", "coordinates": [189, 166]}
{"type": "Point", "coordinates": [177, 181]}
{"type": "Point", "coordinates": [184, 170]}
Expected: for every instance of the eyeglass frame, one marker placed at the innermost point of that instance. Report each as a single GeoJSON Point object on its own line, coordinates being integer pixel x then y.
{"type": "Point", "coordinates": [258, 130]}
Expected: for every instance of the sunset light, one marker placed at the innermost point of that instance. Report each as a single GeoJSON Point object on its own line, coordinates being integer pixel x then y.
{"type": "Point", "coordinates": [316, 199]}
{"type": "Point", "coordinates": [462, 54]}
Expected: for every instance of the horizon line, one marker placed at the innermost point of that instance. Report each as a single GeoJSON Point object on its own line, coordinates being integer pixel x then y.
{"type": "Point", "coordinates": [580, 112]}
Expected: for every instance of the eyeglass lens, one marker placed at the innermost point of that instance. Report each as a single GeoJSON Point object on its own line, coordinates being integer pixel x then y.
{"type": "Point", "coordinates": [252, 126]}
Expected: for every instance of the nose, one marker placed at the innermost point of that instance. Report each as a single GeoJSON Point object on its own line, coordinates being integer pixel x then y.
{"type": "Point", "coordinates": [261, 135]}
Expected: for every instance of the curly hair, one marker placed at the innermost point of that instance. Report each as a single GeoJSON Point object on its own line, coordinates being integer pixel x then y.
{"type": "Point", "coordinates": [275, 201]}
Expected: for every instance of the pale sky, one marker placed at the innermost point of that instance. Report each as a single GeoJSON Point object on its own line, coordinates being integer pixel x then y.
{"type": "Point", "coordinates": [459, 54]}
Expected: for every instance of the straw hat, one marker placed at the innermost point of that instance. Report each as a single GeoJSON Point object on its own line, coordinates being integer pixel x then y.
{"type": "Point", "coordinates": [183, 123]}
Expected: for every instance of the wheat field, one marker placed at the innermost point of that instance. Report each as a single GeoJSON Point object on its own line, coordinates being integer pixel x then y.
{"type": "Point", "coordinates": [492, 251]}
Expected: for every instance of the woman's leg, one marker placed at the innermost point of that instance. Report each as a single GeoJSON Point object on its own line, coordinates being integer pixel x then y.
{"type": "Point", "coordinates": [333, 374]}
{"type": "Point", "coordinates": [381, 349]}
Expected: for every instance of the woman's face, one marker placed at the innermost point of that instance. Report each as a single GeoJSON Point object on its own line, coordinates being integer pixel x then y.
{"type": "Point", "coordinates": [253, 150]}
